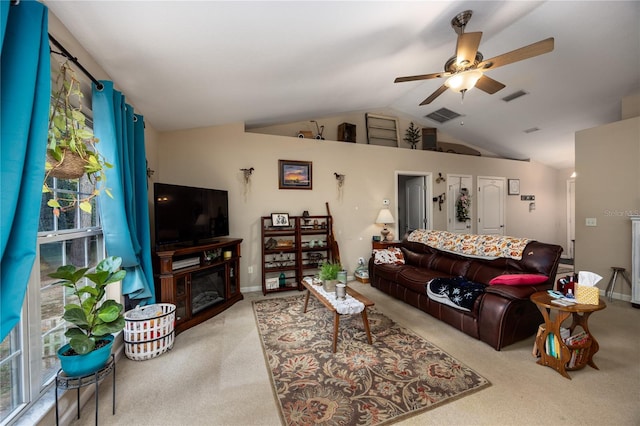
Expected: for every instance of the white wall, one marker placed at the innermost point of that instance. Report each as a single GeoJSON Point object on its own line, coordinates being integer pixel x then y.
{"type": "Point", "coordinates": [212, 157]}
{"type": "Point", "coordinates": [607, 189]}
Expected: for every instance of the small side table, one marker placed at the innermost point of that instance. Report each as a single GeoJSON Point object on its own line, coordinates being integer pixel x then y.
{"type": "Point", "coordinates": [66, 382]}
{"type": "Point", "coordinates": [580, 315]}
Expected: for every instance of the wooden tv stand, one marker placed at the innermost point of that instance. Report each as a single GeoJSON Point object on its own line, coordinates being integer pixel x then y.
{"type": "Point", "coordinates": [198, 279]}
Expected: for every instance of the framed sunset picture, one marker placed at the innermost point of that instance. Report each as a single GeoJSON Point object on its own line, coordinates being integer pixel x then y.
{"type": "Point", "coordinates": [294, 174]}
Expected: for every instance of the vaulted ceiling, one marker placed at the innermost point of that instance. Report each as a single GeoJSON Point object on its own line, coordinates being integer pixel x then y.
{"type": "Point", "coordinates": [187, 64]}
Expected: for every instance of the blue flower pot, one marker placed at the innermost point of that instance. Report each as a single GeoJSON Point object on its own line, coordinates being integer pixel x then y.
{"type": "Point", "coordinates": [83, 365]}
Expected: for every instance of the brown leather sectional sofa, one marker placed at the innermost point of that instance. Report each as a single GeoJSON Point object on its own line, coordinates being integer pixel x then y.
{"type": "Point", "coordinates": [500, 316]}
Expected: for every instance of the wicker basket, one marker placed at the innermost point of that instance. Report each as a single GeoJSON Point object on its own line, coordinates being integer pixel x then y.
{"type": "Point", "coordinates": [71, 166]}
{"type": "Point", "coordinates": [149, 331]}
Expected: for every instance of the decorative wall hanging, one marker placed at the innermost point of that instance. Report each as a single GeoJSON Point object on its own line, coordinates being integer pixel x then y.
{"type": "Point", "coordinates": [294, 174]}
{"type": "Point", "coordinates": [340, 183]}
{"type": "Point", "coordinates": [463, 205]}
{"type": "Point", "coordinates": [247, 174]}
{"type": "Point", "coordinates": [514, 187]}
{"type": "Point", "coordinates": [246, 180]}
{"type": "Point", "coordinates": [150, 171]}
{"type": "Point", "coordinates": [440, 199]}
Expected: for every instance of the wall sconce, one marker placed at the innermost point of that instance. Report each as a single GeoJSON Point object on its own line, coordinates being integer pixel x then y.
{"type": "Point", "coordinates": [385, 218]}
{"type": "Point", "coordinates": [440, 179]}
{"type": "Point", "coordinates": [339, 178]}
{"type": "Point", "coordinates": [247, 174]}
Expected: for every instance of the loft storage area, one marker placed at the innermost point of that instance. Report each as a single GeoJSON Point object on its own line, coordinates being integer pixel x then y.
{"type": "Point", "coordinates": [381, 129]}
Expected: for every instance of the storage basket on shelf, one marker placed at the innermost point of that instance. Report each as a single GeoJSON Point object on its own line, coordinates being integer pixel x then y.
{"type": "Point", "coordinates": [149, 331]}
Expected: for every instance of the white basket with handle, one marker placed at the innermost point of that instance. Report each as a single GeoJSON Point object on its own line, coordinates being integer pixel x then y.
{"type": "Point", "coordinates": [149, 331]}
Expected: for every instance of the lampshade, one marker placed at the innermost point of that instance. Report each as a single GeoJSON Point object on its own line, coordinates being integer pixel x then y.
{"type": "Point", "coordinates": [385, 216]}
{"type": "Point", "coordinates": [463, 80]}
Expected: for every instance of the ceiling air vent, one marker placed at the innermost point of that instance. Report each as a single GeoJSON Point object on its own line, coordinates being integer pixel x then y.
{"type": "Point", "coordinates": [442, 115]}
{"type": "Point", "coordinates": [514, 95]}
{"type": "Point", "coordinates": [532, 129]}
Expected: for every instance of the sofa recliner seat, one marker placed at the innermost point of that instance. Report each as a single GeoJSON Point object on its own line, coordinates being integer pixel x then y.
{"type": "Point", "coordinates": [500, 316]}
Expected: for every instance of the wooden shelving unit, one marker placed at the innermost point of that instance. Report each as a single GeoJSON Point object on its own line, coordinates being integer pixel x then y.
{"type": "Point", "coordinates": [295, 251]}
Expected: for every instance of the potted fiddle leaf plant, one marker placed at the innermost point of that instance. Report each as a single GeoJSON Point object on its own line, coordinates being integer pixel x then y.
{"type": "Point", "coordinates": [94, 319]}
{"type": "Point", "coordinates": [329, 275]}
{"type": "Point", "coordinates": [71, 145]}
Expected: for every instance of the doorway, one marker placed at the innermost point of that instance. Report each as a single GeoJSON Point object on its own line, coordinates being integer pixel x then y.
{"type": "Point", "coordinates": [571, 217]}
{"type": "Point", "coordinates": [413, 190]}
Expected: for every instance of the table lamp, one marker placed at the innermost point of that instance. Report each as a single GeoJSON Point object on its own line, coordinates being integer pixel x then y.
{"type": "Point", "coordinates": [385, 217]}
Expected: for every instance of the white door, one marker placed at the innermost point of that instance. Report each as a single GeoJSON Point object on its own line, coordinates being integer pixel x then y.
{"type": "Point", "coordinates": [413, 191]}
{"type": "Point", "coordinates": [491, 202]}
{"type": "Point", "coordinates": [456, 186]}
{"type": "Point", "coordinates": [416, 204]}
{"type": "Point", "coordinates": [571, 217]}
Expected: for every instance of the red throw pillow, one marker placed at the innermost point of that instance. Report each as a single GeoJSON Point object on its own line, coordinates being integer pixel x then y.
{"type": "Point", "coordinates": [519, 279]}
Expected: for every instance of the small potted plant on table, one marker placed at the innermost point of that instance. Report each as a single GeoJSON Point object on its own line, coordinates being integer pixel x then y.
{"type": "Point", "coordinates": [329, 275]}
{"type": "Point", "coordinates": [91, 339]}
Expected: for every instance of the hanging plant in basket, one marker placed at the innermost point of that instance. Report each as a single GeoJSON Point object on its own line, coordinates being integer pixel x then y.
{"type": "Point", "coordinates": [71, 145]}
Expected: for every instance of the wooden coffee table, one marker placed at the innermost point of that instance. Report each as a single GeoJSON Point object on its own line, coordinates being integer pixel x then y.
{"type": "Point", "coordinates": [311, 289]}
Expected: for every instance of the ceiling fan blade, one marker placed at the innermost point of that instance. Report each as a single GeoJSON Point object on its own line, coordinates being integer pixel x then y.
{"type": "Point", "coordinates": [526, 52]}
{"type": "Point", "coordinates": [489, 85]}
{"type": "Point", "coordinates": [467, 48]}
{"type": "Point", "coordinates": [434, 95]}
{"type": "Point", "coordinates": [421, 77]}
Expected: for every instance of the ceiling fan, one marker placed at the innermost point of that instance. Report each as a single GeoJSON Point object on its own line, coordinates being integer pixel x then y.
{"type": "Point", "coordinates": [466, 69]}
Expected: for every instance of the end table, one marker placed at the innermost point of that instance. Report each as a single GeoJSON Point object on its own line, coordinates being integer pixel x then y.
{"type": "Point", "coordinates": [580, 315]}
{"type": "Point", "coordinates": [379, 245]}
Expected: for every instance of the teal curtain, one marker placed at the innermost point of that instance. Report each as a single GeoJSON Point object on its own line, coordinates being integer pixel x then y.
{"type": "Point", "coordinates": [25, 87]}
{"type": "Point", "coordinates": [125, 217]}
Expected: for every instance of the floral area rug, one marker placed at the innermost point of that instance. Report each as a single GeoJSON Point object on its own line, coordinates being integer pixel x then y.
{"type": "Point", "coordinates": [399, 375]}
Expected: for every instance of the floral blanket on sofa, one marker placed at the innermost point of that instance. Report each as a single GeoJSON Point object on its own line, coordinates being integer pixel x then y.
{"type": "Point", "coordinates": [486, 246]}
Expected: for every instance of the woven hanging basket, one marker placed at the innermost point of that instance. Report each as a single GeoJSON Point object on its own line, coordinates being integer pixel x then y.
{"type": "Point", "coordinates": [71, 166]}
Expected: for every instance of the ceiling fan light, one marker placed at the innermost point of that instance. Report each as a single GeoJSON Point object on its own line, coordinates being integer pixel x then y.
{"type": "Point", "coordinates": [463, 81]}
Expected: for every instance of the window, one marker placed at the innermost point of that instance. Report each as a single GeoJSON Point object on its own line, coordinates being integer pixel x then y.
{"type": "Point", "coordinates": [28, 361]}
{"type": "Point", "coordinates": [28, 355]}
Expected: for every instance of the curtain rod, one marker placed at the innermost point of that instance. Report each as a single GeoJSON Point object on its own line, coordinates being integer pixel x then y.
{"type": "Point", "coordinates": [73, 59]}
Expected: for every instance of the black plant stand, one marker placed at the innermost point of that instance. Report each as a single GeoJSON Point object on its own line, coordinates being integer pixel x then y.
{"type": "Point", "coordinates": [66, 382]}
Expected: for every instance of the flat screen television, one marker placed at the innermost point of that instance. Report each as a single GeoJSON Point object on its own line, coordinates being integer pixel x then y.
{"type": "Point", "coordinates": [187, 215]}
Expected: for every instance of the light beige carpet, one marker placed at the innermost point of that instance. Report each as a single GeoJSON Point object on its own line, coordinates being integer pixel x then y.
{"type": "Point", "coordinates": [216, 375]}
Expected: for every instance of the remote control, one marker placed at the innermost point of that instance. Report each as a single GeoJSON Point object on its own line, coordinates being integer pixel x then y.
{"type": "Point", "coordinates": [555, 294]}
